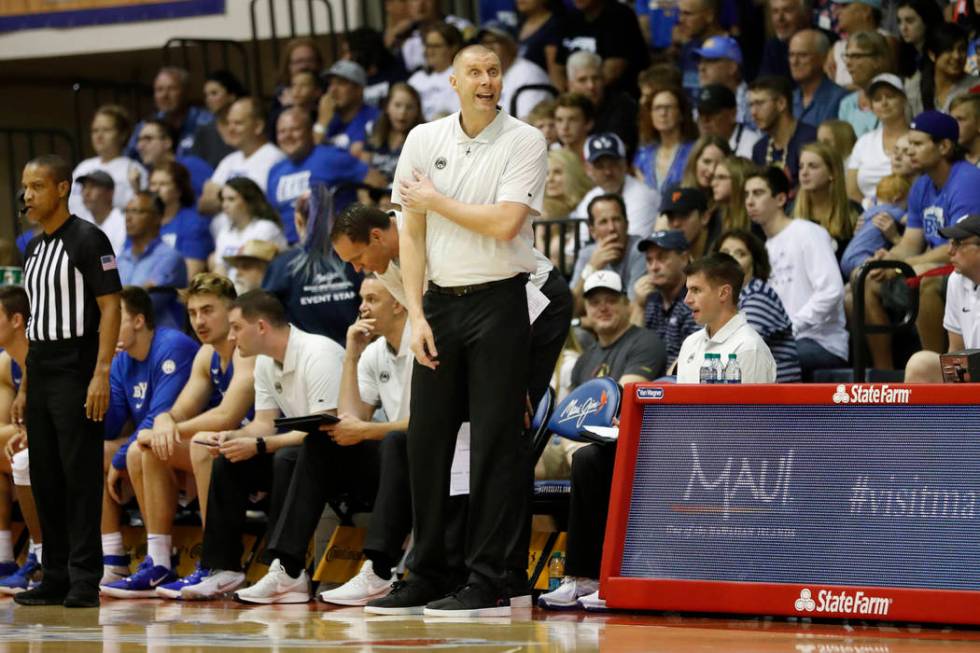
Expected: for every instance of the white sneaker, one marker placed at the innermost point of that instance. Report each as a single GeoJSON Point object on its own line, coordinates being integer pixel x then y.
{"type": "Point", "coordinates": [214, 585]}
{"type": "Point", "coordinates": [568, 593]}
{"type": "Point", "coordinates": [593, 603]}
{"type": "Point", "coordinates": [277, 587]}
{"type": "Point", "coordinates": [360, 589]}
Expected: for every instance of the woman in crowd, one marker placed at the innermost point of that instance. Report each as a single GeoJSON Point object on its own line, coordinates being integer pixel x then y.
{"type": "Point", "coordinates": [868, 55]}
{"type": "Point", "coordinates": [728, 192]}
{"type": "Point", "coordinates": [706, 154]}
{"type": "Point", "coordinates": [822, 197]}
{"type": "Point", "coordinates": [221, 90]}
{"type": "Point", "coordinates": [838, 135]}
{"type": "Point", "coordinates": [301, 53]}
{"type": "Point", "coordinates": [110, 133]}
{"type": "Point", "coordinates": [182, 227]}
{"type": "Point", "coordinates": [944, 76]}
{"type": "Point", "coordinates": [442, 41]}
{"type": "Point", "coordinates": [564, 189]}
{"type": "Point", "coordinates": [869, 161]}
{"type": "Point", "coordinates": [402, 110]}
{"type": "Point", "coordinates": [250, 217]}
{"type": "Point", "coordinates": [667, 133]}
{"type": "Point", "coordinates": [539, 37]}
{"type": "Point", "coordinates": [914, 17]}
{"type": "Point", "coordinates": [760, 303]}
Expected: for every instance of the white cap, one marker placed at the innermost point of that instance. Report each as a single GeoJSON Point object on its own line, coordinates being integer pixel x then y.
{"type": "Point", "coordinates": [887, 79]}
{"type": "Point", "coordinates": [603, 279]}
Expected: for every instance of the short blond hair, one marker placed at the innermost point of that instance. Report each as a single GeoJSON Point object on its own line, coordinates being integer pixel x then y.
{"type": "Point", "coordinates": [893, 189]}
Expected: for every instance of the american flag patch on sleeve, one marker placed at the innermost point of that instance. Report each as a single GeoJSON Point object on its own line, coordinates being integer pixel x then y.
{"type": "Point", "coordinates": [108, 263]}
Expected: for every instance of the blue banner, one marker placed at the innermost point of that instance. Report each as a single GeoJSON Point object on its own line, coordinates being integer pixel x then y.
{"type": "Point", "coordinates": [880, 496]}
{"type": "Point", "coordinates": [23, 14]}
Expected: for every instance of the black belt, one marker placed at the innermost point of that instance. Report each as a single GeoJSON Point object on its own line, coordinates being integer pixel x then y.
{"type": "Point", "coordinates": [460, 291]}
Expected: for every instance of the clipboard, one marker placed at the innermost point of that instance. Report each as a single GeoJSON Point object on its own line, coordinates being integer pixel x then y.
{"type": "Point", "coordinates": [305, 423]}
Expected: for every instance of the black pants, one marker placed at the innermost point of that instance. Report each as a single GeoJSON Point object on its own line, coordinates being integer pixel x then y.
{"type": "Point", "coordinates": [324, 471]}
{"type": "Point", "coordinates": [592, 472]}
{"type": "Point", "coordinates": [483, 342]}
{"type": "Point", "coordinates": [231, 485]}
{"type": "Point", "coordinates": [66, 461]}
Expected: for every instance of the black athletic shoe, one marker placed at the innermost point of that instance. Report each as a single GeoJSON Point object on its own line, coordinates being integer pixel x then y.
{"type": "Point", "coordinates": [82, 598]}
{"type": "Point", "coordinates": [43, 594]}
{"type": "Point", "coordinates": [406, 597]}
{"type": "Point", "coordinates": [471, 601]}
{"type": "Point", "coordinates": [519, 590]}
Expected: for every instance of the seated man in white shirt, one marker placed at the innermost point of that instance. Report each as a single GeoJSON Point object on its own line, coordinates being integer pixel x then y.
{"type": "Point", "coordinates": [606, 165]}
{"type": "Point", "coordinates": [98, 189]}
{"type": "Point", "coordinates": [713, 285]}
{"type": "Point", "coordinates": [962, 317]}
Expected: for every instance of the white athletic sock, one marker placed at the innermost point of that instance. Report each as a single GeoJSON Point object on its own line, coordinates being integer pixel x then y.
{"type": "Point", "coordinates": [6, 546]}
{"type": "Point", "coordinates": [112, 544]}
{"type": "Point", "coordinates": [158, 548]}
{"type": "Point", "coordinates": [36, 548]}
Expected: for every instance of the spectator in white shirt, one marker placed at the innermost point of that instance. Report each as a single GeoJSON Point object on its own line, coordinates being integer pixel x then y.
{"type": "Point", "coordinates": [250, 217]}
{"type": "Point", "coordinates": [518, 71]}
{"type": "Point", "coordinates": [606, 165]}
{"type": "Point", "coordinates": [870, 159]}
{"type": "Point", "coordinates": [253, 157]}
{"type": "Point", "coordinates": [442, 42]}
{"type": "Point", "coordinates": [713, 286]}
{"type": "Point", "coordinates": [805, 273]}
{"type": "Point", "coordinates": [962, 317]}
{"type": "Point", "coordinates": [110, 130]}
{"type": "Point", "coordinates": [97, 194]}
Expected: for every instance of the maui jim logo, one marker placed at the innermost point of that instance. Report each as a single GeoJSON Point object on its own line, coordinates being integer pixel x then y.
{"type": "Point", "coordinates": [578, 412]}
{"type": "Point", "coordinates": [883, 394]}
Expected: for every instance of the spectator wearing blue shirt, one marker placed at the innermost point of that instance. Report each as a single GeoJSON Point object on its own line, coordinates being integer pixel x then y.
{"type": "Point", "coordinates": [145, 379]}
{"type": "Point", "coordinates": [182, 227]}
{"type": "Point", "coordinates": [880, 226]}
{"type": "Point", "coordinates": [771, 105]}
{"type": "Point", "coordinates": [306, 164]}
{"type": "Point", "coordinates": [170, 95]}
{"type": "Point", "coordinates": [815, 98]}
{"type": "Point", "coordinates": [947, 190]}
{"type": "Point", "coordinates": [667, 133]}
{"type": "Point", "coordinates": [697, 20]}
{"type": "Point", "coordinates": [150, 263]}
{"type": "Point", "coordinates": [156, 144]}
{"type": "Point", "coordinates": [344, 118]}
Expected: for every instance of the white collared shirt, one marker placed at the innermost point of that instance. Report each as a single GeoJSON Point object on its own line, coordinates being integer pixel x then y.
{"type": "Point", "coordinates": [506, 162]}
{"type": "Point", "coordinates": [383, 375]}
{"type": "Point", "coordinates": [963, 310]}
{"type": "Point", "coordinates": [307, 382]}
{"type": "Point", "coordinates": [736, 337]}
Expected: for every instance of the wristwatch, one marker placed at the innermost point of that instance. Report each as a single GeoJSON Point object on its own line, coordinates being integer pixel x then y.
{"type": "Point", "coordinates": [260, 445]}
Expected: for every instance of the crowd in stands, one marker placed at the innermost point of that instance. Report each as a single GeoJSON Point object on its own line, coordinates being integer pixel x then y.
{"type": "Point", "coordinates": [711, 187]}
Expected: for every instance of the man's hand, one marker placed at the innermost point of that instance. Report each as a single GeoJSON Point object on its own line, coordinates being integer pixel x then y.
{"type": "Point", "coordinates": [19, 407]}
{"type": "Point", "coordinates": [608, 250]}
{"type": "Point", "coordinates": [97, 399]}
{"type": "Point", "coordinates": [163, 440]}
{"type": "Point", "coordinates": [359, 336]}
{"type": "Point", "coordinates": [642, 289]}
{"type": "Point", "coordinates": [113, 483]}
{"type": "Point", "coordinates": [424, 343]}
{"type": "Point", "coordinates": [212, 441]}
{"type": "Point", "coordinates": [348, 431]}
{"type": "Point", "coordinates": [326, 109]}
{"type": "Point", "coordinates": [887, 227]}
{"type": "Point", "coordinates": [135, 180]}
{"type": "Point", "coordinates": [419, 194]}
{"type": "Point", "coordinates": [237, 450]}
{"type": "Point", "coordinates": [17, 442]}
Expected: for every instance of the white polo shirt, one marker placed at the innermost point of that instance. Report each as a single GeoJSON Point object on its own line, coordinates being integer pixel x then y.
{"type": "Point", "coordinates": [736, 337]}
{"type": "Point", "coordinates": [963, 309]}
{"type": "Point", "coordinates": [118, 169]}
{"type": "Point", "coordinates": [506, 162]}
{"type": "Point", "coordinates": [256, 166]}
{"type": "Point", "coordinates": [307, 382]}
{"type": "Point", "coordinates": [384, 375]}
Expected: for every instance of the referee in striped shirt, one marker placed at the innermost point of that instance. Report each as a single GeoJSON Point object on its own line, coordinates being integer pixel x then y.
{"type": "Point", "coordinates": [71, 279]}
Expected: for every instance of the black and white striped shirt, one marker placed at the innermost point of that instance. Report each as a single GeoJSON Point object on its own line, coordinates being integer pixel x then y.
{"type": "Point", "coordinates": [63, 274]}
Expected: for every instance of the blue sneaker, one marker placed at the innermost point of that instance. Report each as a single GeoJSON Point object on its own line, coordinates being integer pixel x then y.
{"type": "Point", "coordinates": [141, 585]}
{"type": "Point", "coordinates": [22, 578]}
{"type": "Point", "coordinates": [172, 590]}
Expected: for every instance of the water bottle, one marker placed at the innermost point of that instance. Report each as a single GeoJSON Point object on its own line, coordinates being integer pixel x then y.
{"type": "Point", "coordinates": [733, 373]}
{"type": "Point", "coordinates": [556, 570]}
{"type": "Point", "coordinates": [707, 374]}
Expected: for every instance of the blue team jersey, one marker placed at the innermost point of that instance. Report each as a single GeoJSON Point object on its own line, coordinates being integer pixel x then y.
{"type": "Point", "coordinates": [932, 209]}
{"type": "Point", "coordinates": [189, 234]}
{"type": "Point", "coordinates": [220, 382]}
{"type": "Point", "coordinates": [344, 134]}
{"type": "Point", "coordinates": [289, 179]}
{"type": "Point", "coordinates": [141, 390]}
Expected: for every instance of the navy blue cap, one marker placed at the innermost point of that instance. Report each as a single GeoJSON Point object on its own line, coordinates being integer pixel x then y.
{"type": "Point", "coordinates": [683, 200]}
{"type": "Point", "coordinates": [937, 124]}
{"type": "Point", "coordinates": [604, 144]}
{"type": "Point", "coordinates": [497, 28]}
{"type": "Point", "coordinates": [966, 227]}
{"type": "Point", "coordinates": [670, 239]}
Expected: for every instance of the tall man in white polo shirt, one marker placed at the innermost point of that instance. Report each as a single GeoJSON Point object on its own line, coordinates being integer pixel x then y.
{"type": "Point", "coordinates": [713, 285]}
{"type": "Point", "coordinates": [468, 185]}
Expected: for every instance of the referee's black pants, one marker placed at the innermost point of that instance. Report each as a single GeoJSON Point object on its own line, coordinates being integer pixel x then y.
{"type": "Point", "coordinates": [483, 341]}
{"type": "Point", "coordinates": [324, 471]}
{"type": "Point", "coordinates": [66, 461]}
{"type": "Point", "coordinates": [231, 485]}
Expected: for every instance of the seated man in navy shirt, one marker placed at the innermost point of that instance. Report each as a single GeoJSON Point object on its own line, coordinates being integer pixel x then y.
{"type": "Point", "coordinates": [344, 118]}
{"type": "Point", "coordinates": [145, 379]}
{"type": "Point", "coordinates": [771, 105]}
{"type": "Point", "coordinates": [150, 263]}
{"type": "Point", "coordinates": [307, 164]}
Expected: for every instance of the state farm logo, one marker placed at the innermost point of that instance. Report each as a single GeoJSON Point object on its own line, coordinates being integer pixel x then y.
{"type": "Point", "coordinates": [842, 602]}
{"type": "Point", "coordinates": [871, 394]}
{"type": "Point", "coordinates": [649, 393]}
{"type": "Point", "coordinates": [580, 411]}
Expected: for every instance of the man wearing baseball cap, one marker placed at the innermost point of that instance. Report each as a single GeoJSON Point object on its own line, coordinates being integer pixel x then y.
{"type": "Point", "coordinates": [658, 302]}
{"type": "Point", "coordinates": [946, 191]}
{"type": "Point", "coordinates": [606, 165]}
{"type": "Point", "coordinates": [98, 189]}
{"type": "Point", "coordinates": [344, 118]}
{"type": "Point", "coordinates": [518, 71]}
{"type": "Point", "coordinates": [720, 62]}
{"type": "Point", "coordinates": [687, 211]}
{"type": "Point", "coordinates": [717, 116]}
{"type": "Point", "coordinates": [628, 354]}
